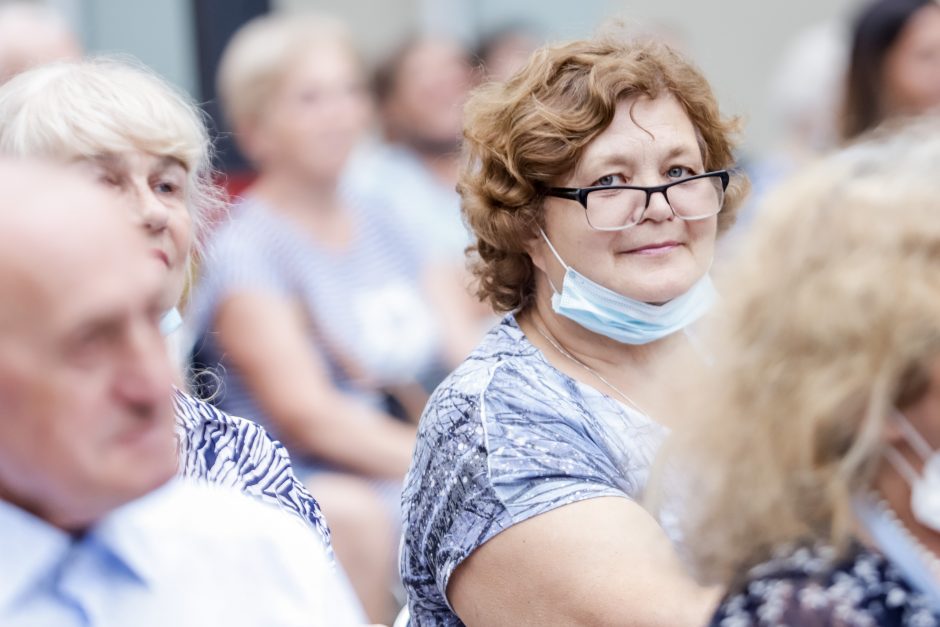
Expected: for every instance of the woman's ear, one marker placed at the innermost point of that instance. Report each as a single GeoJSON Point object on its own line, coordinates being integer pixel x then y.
{"type": "Point", "coordinates": [892, 430]}
{"type": "Point", "coordinates": [536, 248]}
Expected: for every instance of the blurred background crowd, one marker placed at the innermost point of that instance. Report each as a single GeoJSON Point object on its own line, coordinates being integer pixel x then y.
{"type": "Point", "coordinates": [332, 296]}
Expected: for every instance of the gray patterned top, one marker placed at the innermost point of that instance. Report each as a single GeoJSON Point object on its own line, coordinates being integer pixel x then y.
{"type": "Point", "coordinates": [504, 438]}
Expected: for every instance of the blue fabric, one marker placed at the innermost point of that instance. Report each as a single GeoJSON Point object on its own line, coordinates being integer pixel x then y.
{"type": "Point", "coordinates": [504, 438]}
{"type": "Point", "coordinates": [393, 176]}
{"type": "Point", "coordinates": [184, 555]}
{"type": "Point", "coordinates": [237, 453]}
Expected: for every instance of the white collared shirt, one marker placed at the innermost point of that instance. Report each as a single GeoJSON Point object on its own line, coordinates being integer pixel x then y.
{"type": "Point", "coordinates": [184, 555]}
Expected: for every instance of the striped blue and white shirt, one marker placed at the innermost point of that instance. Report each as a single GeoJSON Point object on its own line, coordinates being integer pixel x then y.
{"type": "Point", "coordinates": [370, 323]}
{"type": "Point", "coordinates": [233, 452]}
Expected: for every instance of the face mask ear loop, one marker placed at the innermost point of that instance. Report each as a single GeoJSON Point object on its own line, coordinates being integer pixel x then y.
{"type": "Point", "coordinates": [915, 439]}
{"type": "Point", "coordinates": [557, 256]}
{"type": "Point", "coordinates": [903, 466]}
{"type": "Point", "coordinates": [170, 322]}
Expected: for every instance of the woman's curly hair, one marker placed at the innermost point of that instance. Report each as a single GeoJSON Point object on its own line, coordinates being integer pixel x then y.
{"type": "Point", "coordinates": [521, 136]}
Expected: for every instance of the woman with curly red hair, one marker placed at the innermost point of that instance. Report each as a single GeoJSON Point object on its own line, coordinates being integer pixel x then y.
{"type": "Point", "coordinates": [596, 181]}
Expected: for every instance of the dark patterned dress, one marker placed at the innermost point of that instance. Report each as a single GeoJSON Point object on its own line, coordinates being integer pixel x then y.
{"type": "Point", "coordinates": [812, 587]}
{"type": "Point", "coordinates": [504, 438]}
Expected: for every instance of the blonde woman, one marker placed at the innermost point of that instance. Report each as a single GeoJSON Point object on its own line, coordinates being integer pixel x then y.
{"type": "Point", "coordinates": [145, 142]}
{"type": "Point", "coordinates": [808, 473]}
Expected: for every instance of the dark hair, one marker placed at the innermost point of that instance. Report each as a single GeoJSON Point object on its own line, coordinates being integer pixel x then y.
{"type": "Point", "coordinates": [385, 77]}
{"type": "Point", "coordinates": [876, 30]}
{"type": "Point", "coordinates": [494, 38]}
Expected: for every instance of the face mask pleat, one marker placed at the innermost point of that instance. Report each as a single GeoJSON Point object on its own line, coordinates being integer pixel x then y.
{"type": "Point", "coordinates": [622, 318]}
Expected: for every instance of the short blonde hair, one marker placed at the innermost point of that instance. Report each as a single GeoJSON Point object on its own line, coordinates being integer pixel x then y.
{"type": "Point", "coordinates": [72, 110]}
{"type": "Point", "coordinates": [522, 135]}
{"type": "Point", "coordinates": [830, 319]}
{"type": "Point", "coordinates": [261, 52]}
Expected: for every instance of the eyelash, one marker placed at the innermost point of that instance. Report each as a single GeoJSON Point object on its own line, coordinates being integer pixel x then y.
{"type": "Point", "coordinates": [173, 188]}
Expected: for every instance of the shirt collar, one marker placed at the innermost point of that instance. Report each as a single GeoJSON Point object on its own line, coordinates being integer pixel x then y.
{"type": "Point", "coordinates": [30, 547]}
{"type": "Point", "coordinates": [128, 533]}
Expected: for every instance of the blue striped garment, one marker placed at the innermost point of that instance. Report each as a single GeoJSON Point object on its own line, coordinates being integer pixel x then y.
{"type": "Point", "coordinates": [369, 321]}
{"type": "Point", "coordinates": [237, 453]}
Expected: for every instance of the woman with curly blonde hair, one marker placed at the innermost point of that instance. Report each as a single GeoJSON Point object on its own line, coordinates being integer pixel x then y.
{"type": "Point", "coordinates": [596, 180]}
{"type": "Point", "coordinates": [811, 456]}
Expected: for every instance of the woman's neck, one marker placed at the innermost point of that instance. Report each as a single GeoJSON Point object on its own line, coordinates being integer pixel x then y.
{"type": "Point", "coordinates": [612, 367]}
{"type": "Point", "coordinates": [315, 207]}
{"type": "Point", "coordinates": [444, 168]}
{"type": "Point", "coordinates": [295, 195]}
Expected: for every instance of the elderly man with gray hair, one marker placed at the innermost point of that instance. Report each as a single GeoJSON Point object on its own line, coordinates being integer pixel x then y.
{"type": "Point", "coordinates": [94, 529]}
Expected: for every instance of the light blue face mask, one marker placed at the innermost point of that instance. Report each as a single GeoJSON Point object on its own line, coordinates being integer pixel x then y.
{"type": "Point", "coordinates": [171, 321]}
{"type": "Point", "coordinates": [622, 318]}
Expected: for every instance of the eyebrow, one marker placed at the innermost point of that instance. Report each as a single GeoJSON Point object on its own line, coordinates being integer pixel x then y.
{"type": "Point", "coordinates": [113, 159]}
{"type": "Point", "coordinates": [676, 150]}
{"type": "Point", "coordinates": [167, 162]}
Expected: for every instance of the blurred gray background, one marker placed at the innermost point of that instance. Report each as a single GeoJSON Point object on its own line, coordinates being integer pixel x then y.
{"type": "Point", "coordinates": [738, 43]}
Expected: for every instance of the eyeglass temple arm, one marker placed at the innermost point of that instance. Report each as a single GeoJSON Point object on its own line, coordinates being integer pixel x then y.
{"type": "Point", "coordinates": [571, 193]}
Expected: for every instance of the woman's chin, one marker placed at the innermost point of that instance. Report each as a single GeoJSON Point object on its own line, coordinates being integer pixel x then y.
{"type": "Point", "coordinates": [662, 288]}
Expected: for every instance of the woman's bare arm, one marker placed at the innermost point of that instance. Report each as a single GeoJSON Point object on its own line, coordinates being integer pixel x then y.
{"type": "Point", "coordinates": [267, 339]}
{"type": "Point", "coordinates": [602, 561]}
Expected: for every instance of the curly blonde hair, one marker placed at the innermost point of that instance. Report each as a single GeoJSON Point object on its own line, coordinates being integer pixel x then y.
{"type": "Point", "coordinates": [830, 321]}
{"type": "Point", "coordinates": [521, 136]}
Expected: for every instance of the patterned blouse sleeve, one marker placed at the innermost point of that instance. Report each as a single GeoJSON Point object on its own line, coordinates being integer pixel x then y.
{"type": "Point", "coordinates": [485, 462]}
{"type": "Point", "coordinates": [545, 447]}
{"type": "Point", "coordinates": [234, 452]}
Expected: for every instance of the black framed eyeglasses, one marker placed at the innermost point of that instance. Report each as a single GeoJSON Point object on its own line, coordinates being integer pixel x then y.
{"type": "Point", "coordinates": [618, 207]}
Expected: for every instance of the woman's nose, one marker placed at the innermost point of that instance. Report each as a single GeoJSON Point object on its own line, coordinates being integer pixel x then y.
{"type": "Point", "coordinates": [658, 208]}
{"type": "Point", "coordinates": [152, 213]}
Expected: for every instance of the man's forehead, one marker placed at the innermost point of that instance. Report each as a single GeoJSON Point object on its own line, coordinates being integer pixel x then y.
{"type": "Point", "coordinates": [58, 228]}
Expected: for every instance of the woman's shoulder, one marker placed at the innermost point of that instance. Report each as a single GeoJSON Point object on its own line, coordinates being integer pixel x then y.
{"type": "Point", "coordinates": [202, 427]}
{"type": "Point", "coordinates": [504, 358]}
{"type": "Point", "coordinates": [250, 225]}
{"type": "Point", "coordinates": [504, 370]}
{"type": "Point", "coordinates": [818, 586]}
{"type": "Point", "coordinates": [234, 452]}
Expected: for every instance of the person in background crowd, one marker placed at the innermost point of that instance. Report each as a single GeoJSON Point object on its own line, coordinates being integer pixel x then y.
{"type": "Point", "coordinates": [894, 64]}
{"type": "Point", "coordinates": [317, 307]}
{"type": "Point", "coordinates": [32, 34]}
{"type": "Point", "coordinates": [809, 472]}
{"type": "Point", "coordinates": [596, 180]}
{"type": "Point", "coordinates": [505, 51]}
{"type": "Point", "coordinates": [144, 142]}
{"type": "Point", "coordinates": [94, 530]}
{"type": "Point", "coordinates": [420, 89]}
